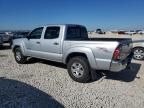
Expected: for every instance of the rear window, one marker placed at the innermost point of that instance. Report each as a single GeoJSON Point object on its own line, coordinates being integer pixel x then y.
{"type": "Point", "coordinates": [76, 32]}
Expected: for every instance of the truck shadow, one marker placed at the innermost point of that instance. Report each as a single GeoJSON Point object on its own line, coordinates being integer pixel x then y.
{"type": "Point", "coordinates": [5, 47]}
{"type": "Point", "coordinates": [3, 55]}
{"type": "Point", "coordinates": [47, 62]}
{"type": "Point", "coordinates": [126, 75]}
{"type": "Point", "coordinates": [16, 94]}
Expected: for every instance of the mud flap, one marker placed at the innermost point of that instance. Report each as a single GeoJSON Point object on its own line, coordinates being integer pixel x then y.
{"type": "Point", "coordinates": [95, 75]}
{"type": "Point", "coordinates": [129, 60]}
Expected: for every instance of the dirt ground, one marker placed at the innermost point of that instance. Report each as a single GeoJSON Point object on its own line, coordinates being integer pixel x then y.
{"type": "Point", "coordinates": [44, 84]}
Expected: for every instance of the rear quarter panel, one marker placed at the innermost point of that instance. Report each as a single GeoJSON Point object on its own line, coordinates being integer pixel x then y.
{"type": "Point", "coordinates": [99, 53]}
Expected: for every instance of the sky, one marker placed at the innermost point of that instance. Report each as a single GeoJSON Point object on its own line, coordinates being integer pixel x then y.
{"type": "Point", "coordinates": [105, 14]}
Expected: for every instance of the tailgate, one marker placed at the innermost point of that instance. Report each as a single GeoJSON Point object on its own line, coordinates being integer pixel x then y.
{"type": "Point", "coordinates": [125, 49]}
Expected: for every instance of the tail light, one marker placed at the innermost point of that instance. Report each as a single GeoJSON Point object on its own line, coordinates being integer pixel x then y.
{"type": "Point", "coordinates": [116, 55]}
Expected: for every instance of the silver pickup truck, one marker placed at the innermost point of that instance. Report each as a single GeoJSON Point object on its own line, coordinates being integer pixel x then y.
{"type": "Point", "coordinates": [69, 44]}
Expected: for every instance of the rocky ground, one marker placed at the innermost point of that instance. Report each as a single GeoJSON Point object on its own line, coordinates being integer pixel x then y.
{"type": "Point", "coordinates": [43, 84]}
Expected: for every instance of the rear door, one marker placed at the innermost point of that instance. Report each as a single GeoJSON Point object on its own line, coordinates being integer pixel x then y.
{"type": "Point", "coordinates": [33, 43]}
{"type": "Point", "coordinates": [52, 43]}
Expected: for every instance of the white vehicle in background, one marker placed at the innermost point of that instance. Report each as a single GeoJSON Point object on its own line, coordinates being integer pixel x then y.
{"type": "Point", "coordinates": [130, 32]}
{"type": "Point", "coordinates": [141, 32]}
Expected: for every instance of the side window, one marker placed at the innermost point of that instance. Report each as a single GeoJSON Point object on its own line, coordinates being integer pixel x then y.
{"type": "Point", "coordinates": [84, 32]}
{"type": "Point", "coordinates": [36, 34]}
{"type": "Point", "coordinates": [73, 33]}
{"type": "Point", "coordinates": [52, 33]}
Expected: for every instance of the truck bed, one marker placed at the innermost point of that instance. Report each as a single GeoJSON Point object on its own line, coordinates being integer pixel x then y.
{"type": "Point", "coordinates": [121, 40]}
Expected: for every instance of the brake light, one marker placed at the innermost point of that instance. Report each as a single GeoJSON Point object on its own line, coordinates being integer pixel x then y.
{"type": "Point", "coordinates": [116, 55]}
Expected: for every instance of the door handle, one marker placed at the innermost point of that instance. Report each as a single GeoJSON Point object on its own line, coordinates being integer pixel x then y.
{"type": "Point", "coordinates": [37, 42]}
{"type": "Point", "coordinates": [56, 43]}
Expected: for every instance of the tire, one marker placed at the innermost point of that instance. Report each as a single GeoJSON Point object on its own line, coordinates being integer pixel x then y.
{"type": "Point", "coordinates": [19, 57]}
{"type": "Point", "coordinates": [79, 69]}
{"type": "Point", "coordinates": [138, 53]}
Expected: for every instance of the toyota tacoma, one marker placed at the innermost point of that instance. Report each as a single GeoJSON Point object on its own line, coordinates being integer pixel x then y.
{"type": "Point", "coordinates": [70, 44]}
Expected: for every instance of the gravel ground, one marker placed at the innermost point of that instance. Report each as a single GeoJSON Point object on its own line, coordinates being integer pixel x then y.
{"type": "Point", "coordinates": [43, 84]}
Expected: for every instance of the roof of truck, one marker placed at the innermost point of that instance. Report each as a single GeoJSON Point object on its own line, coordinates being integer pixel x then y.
{"type": "Point", "coordinates": [63, 25]}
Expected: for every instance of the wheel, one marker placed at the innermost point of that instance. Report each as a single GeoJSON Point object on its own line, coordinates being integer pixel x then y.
{"type": "Point", "coordinates": [19, 57]}
{"type": "Point", "coordinates": [138, 53]}
{"type": "Point", "coordinates": [78, 69]}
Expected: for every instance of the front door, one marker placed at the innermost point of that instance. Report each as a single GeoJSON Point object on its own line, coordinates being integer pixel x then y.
{"type": "Point", "coordinates": [33, 43]}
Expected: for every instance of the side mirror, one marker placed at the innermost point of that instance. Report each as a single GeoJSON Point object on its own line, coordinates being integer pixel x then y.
{"type": "Point", "coordinates": [28, 37]}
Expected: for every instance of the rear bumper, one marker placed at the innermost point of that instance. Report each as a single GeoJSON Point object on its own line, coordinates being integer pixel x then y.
{"type": "Point", "coordinates": [117, 66]}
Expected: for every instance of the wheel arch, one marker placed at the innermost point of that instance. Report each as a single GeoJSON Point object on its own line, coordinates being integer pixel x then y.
{"type": "Point", "coordinates": [74, 54]}
{"type": "Point", "coordinates": [21, 47]}
{"type": "Point", "coordinates": [16, 46]}
{"type": "Point", "coordinates": [138, 47]}
{"type": "Point", "coordinates": [80, 51]}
